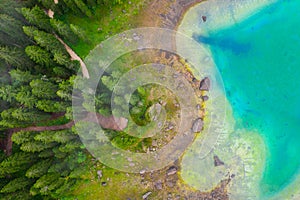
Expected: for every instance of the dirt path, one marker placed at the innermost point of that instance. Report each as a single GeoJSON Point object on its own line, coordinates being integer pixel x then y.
{"type": "Point", "coordinates": [74, 56]}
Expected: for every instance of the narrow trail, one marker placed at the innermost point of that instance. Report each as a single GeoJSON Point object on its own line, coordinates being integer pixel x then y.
{"type": "Point", "coordinates": [74, 56]}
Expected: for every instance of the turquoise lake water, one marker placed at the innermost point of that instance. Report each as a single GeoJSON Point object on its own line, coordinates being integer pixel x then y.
{"type": "Point", "coordinates": [259, 61]}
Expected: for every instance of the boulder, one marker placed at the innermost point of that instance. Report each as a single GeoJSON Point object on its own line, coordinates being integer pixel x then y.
{"type": "Point", "coordinates": [205, 98]}
{"type": "Point", "coordinates": [204, 84]}
{"type": "Point", "coordinates": [197, 125]}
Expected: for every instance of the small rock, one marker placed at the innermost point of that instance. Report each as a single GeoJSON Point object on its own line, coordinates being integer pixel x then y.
{"type": "Point", "coordinates": [154, 111]}
{"type": "Point", "coordinates": [197, 126]}
{"type": "Point", "coordinates": [204, 84]}
{"type": "Point", "coordinates": [170, 127]}
{"type": "Point", "coordinates": [99, 173]}
{"type": "Point", "coordinates": [131, 164]}
{"type": "Point", "coordinates": [142, 172]}
{"type": "Point", "coordinates": [136, 37]}
{"type": "Point", "coordinates": [170, 184]}
{"type": "Point", "coordinates": [217, 161]}
{"type": "Point", "coordinates": [205, 98]}
{"type": "Point", "coordinates": [171, 171]}
{"type": "Point", "coordinates": [146, 195]}
{"type": "Point", "coordinates": [158, 185]}
{"type": "Point", "coordinates": [154, 143]}
{"type": "Point", "coordinates": [204, 18]}
{"type": "Point", "coordinates": [103, 183]}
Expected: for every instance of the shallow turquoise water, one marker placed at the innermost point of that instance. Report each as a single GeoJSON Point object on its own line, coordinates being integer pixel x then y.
{"type": "Point", "coordinates": [259, 61]}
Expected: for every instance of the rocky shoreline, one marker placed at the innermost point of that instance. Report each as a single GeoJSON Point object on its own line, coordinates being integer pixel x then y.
{"type": "Point", "coordinates": [168, 14]}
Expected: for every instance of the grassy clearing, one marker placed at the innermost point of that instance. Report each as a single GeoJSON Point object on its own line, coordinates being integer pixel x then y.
{"type": "Point", "coordinates": [113, 185]}
{"type": "Point", "coordinates": [106, 22]}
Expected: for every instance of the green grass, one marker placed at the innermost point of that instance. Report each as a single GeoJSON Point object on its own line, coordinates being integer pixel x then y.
{"type": "Point", "coordinates": [119, 185]}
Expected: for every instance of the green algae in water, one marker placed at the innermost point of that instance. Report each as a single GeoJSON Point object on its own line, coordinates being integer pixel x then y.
{"type": "Point", "coordinates": [259, 60]}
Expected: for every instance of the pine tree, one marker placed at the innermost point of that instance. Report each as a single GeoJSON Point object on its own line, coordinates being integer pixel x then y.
{"type": "Point", "coordinates": [39, 169]}
{"type": "Point", "coordinates": [45, 137]}
{"type": "Point", "coordinates": [79, 32]}
{"type": "Point", "coordinates": [26, 98]}
{"type": "Point", "coordinates": [8, 93]}
{"type": "Point", "coordinates": [36, 16]}
{"type": "Point", "coordinates": [70, 146]}
{"type": "Point", "coordinates": [29, 31]}
{"type": "Point", "coordinates": [22, 137]}
{"type": "Point", "coordinates": [18, 195]}
{"type": "Point", "coordinates": [48, 41]}
{"type": "Point", "coordinates": [63, 136]}
{"type": "Point", "coordinates": [71, 5]}
{"type": "Point", "coordinates": [62, 59]}
{"type": "Point", "coordinates": [43, 89]}
{"type": "Point", "coordinates": [28, 115]}
{"type": "Point", "coordinates": [84, 9]}
{"type": "Point", "coordinates": [12, 28]}
{"type": "Point", "coordinates": [13, 56]}
{"type": "Point", "coordinates": [38, 55]}
{"type": "Point", "coordinates": [16, 184]}
{"type": "Point", "coordinates": [16, 162]}
{"type": "Point", "coordinates": [63, 30]}
{"type": "Point", "coordinates": [35, 146]}
{"type": "Point", "coordinates": [51, 106]}
{"type": "Point", "coordinates": [22, 77]}
{"type": "Point", "coordinates": [68, 185]}
{"type": "Point", "coordinates": [46, 180]}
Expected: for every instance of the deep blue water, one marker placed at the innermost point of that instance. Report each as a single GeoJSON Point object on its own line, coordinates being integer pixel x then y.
{"type": "Point", "coordinates": [259, 61]}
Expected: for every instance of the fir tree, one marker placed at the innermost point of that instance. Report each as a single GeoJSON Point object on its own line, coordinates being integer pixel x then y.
{"type": "Point", "coordinates": [36, 16]}
{"type": "Point", "coordinates": [16, 184]}
{"type": "Point", "coordinates": [38, 55]}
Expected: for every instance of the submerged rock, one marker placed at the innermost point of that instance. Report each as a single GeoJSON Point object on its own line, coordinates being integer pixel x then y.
{"type": "Point", "coordinates": [217, 161]}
